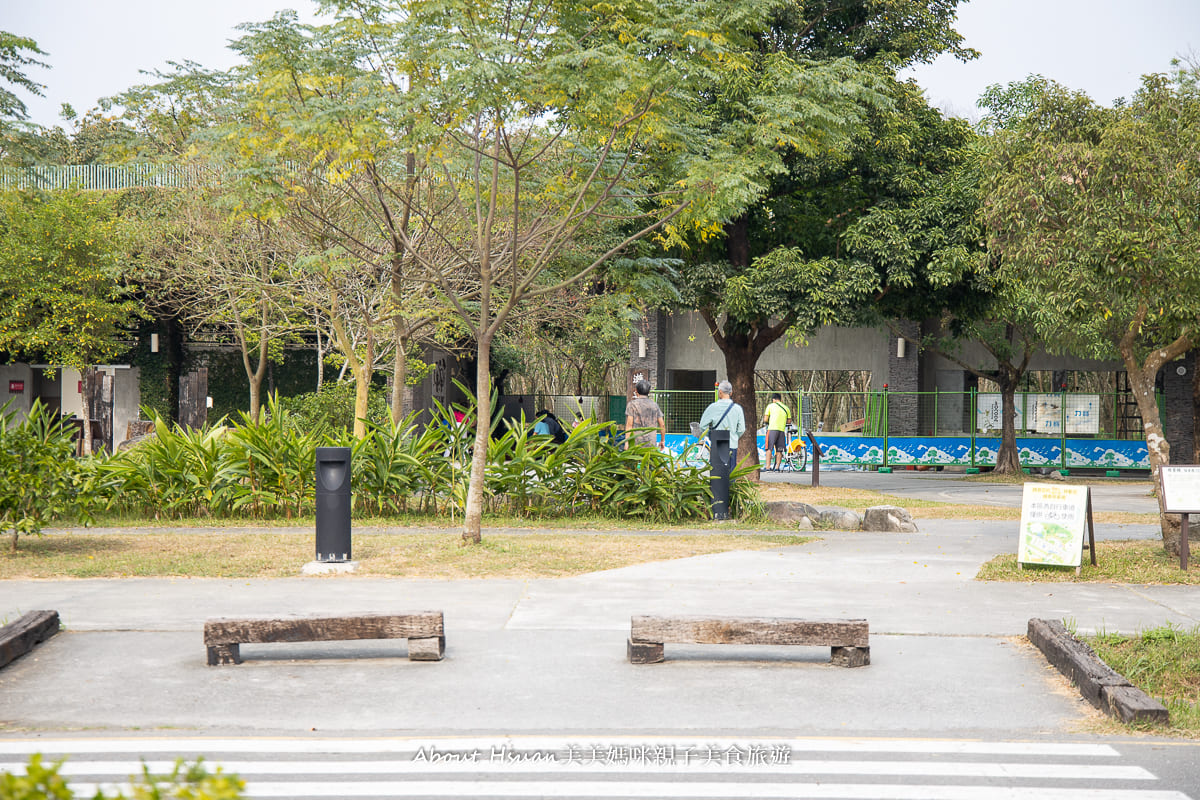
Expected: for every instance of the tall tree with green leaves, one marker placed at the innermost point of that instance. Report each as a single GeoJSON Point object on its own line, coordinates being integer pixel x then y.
{"type": "Point", "coordinates": [1094, 213]}
{"type": "Point", "coordinates": [538, 129]}
{"type": "Point", "coordinates": [768, 261]}
{"type": "Point", "coordinates": [925, 239]}
{"type": "Point", "coordinates": [17, 55]}
{"type": "Point", "coordinates": [323, 130]}
{"type": "Point", "coordinates": [62, 294]}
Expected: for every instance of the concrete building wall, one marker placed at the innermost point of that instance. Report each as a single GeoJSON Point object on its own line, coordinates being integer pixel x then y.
{"type": "Point", "coordinates": [126, 401]}
{"type": "Point", "coordinates": [689, 345]}
{"type": "Point", "coordinates": [22, 375]}
{"type": "Point", "coordinates": [974, 353]}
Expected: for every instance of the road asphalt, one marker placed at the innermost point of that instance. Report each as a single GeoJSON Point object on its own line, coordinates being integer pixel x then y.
{"type": "Point", "coordinates": [948, 655]}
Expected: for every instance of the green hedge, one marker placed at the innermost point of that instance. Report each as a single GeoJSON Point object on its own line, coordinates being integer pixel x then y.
{"type": "Point", "coordinates": [266, 470]}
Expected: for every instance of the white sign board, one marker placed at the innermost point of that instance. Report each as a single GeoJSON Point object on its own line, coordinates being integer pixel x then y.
{"type": "Point", "coordinates": [989, 409]}
{"type": "Point", "coordinates": [1041, 413]}
{"type": "Point", "coordinates": [1181, 489]}
{"type": "Point", "coordinates": [1052, 521]}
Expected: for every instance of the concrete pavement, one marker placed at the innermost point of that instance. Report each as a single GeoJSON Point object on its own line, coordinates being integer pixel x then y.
{"type": "Point", "coordinates": [1124, 494]}
{"type": "Point", "coordinates": [549, 656]}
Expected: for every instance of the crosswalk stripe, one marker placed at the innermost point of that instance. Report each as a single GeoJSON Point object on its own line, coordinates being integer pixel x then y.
{"type": "Point", "coordinates": [201, 746]}
{"type": "Point", "coordinates": [691, 790]}
{"type": "Point", "coordinates": [599, 768]}
{"type": "Point", "coordinates": [956, 769]}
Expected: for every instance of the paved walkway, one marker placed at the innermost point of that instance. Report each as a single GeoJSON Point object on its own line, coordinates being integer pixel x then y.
{"type": "Point", "coordinates": [549, 655]}
{"type": "Point", "coordinates": [1124, 494]}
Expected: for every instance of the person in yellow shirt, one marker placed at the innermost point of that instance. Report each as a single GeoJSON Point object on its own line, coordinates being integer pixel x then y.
{"type": "Point", "coordinates": [775, 417]}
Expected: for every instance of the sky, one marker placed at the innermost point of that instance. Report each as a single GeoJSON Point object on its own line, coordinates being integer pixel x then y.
{"type": "Point", "coordinates": [96, 48]}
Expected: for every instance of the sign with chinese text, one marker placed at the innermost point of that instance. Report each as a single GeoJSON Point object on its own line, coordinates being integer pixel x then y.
{"type": "Point", "coordinates": [1053, 518]}
{"type": "Point", "coordinates": [1180, 489]}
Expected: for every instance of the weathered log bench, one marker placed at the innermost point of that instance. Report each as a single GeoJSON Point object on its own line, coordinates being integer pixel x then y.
{"type": "Point", "coordinates": [847, 638]}
{"type": "Point", "coordinates": [424, 630]}
{"type": "Point", "coordinates": [19, 637]}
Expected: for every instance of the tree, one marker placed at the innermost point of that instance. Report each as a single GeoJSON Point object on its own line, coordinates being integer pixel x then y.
{"type": "Point", "coordinates": [233, 276]}
{"type": "Point", "coordinates": [768, 262]}
{"type": "Point", "coordinates": [323, 131]}
{"type": "Point", "coordinates": [926, 242]}
{"type": "Point", "coordinates": [61, 292]}
{"type": "Point", "coordinates": [531, 131]}
{"type": "Point", "coordinates": [17, 54]}
{"type": "Point", "coordinates": [1093, 211]}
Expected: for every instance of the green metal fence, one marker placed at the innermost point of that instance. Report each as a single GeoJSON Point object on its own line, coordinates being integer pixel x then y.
{"type": "Point", "coordinates": [1111, 415]}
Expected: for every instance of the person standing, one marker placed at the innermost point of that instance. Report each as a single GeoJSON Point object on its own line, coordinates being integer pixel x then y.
{"type": "Point", "coordinates": [775, 417]}
{"type": "Point", "coordinates": [725, 415]}
{"type": "Point", "coordinates": [642, 412]}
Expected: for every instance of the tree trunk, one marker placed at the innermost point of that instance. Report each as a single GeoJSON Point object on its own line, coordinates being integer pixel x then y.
{"type": "Point", "coordinates": [399, 378]}
{"type": "Point", "coordinates": [172, 344]}
{"type": "Point", "coordinates": [740, 366]}
{"type": "Point", "coordinates": [320, 360]}
{"type": "Point", "coordinates": [1141, 381]}
{"type": "Point", "coordinates": [254, 375]}
{"type": "Point", "coordinates": [473, 515]}
{"type": "Point", "coordinates": [1008, 460]}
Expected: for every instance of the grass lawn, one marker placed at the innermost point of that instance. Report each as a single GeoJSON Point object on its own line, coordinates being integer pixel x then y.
{"type": "Point", "coordinates": [439, 556]}
{"type": "Point", "coordinates": [1165, 664]}
{"type": "Point", "coordinates": [1140, 561]}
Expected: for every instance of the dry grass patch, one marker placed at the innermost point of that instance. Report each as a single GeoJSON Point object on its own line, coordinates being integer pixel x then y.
{"type": "Point", "coordinates": [1132, 562]}
{"type": "Point", "coordinates": [416, 555]}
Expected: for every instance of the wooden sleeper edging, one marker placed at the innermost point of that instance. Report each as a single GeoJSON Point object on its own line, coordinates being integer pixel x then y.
{"type": "Point", "coordinates": [1099, 683]}
{"type": "Point", "coordinates": [19, 637]}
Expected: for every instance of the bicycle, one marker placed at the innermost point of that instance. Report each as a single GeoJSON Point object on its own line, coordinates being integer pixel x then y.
{"type": "Point", "coordinates": [795, 453]}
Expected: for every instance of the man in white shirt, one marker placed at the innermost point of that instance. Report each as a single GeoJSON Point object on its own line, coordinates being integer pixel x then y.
{"type": "Point", "coordinates": [725, 415]}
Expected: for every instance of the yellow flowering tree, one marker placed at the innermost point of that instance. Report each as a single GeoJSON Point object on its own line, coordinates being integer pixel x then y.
{"type": "Point", "coordinates": [62, 299]}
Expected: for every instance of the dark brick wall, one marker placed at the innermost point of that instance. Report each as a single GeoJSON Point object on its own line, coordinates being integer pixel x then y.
{"type": "Point", "coordinates": [652, 365]}
{"type": "Point", "coordinates": [1177, 399]}
{"type": "Point", "coordinates": [903, 376]}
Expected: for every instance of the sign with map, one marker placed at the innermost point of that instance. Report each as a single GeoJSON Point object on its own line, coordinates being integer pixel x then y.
{"type": "Point", "coordinates": [1053, 518]}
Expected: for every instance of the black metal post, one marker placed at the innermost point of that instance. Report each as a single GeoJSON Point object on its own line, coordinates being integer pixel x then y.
{"type": "Point", "coordinates": [816, 455]}
{"type": "Point", "coordinates": [718, 473]}
{"type": "Point", "coordinates": [333, 503]}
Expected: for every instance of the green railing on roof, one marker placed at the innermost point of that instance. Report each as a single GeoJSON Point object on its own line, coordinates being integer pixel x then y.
{"type": "Point", "coordinates": [102, 177]}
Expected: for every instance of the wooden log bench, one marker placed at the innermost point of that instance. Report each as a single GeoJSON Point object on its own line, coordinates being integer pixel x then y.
{"type": "Point", "coordinates": [423, 629]}
{"type": "Point", "coordinates": [20, 636]}
{"type": "Point", "coordinates": [846, 638]}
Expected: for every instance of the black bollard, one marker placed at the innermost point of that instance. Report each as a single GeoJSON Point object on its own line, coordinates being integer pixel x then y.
{"type": "Point", "coordinates": [333, 504]}
{"type": "Point", "coordinates": [718, 473]}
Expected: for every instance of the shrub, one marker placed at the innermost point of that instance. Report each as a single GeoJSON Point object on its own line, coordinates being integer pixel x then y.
{"type": "Point", "coordinates": [332, 408]}
{"type": "Point", "coordinates": [42, 782]}
{"type": "Point", "coordinates": [40, 478]}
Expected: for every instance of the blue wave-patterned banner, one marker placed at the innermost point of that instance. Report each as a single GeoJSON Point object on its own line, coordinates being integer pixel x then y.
{"type": "Point", "coordinates": [956, 451]}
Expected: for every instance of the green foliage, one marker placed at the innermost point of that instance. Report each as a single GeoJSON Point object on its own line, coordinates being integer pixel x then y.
{"type": "Point", "coordinates": [16, 56]}
{"type": "Point", "coordinates": [1093, 211]}
{"type": "Point", "coordinates": [266, 470]}
{"type": "Point", "coordinates": [61, 296]}
{"type": "Point", "coordinates": [40, 479]}
{"type": "Point", "coordinates": [185, 782]}
{"type": "Point", "coordinates": [176, 473]}
{"type": "Point", "coordinates": [745, 503]}
{"type": "Point", "coordinates": [333, 407]}
{"type": "Point", "coordinates": [272, 463]}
